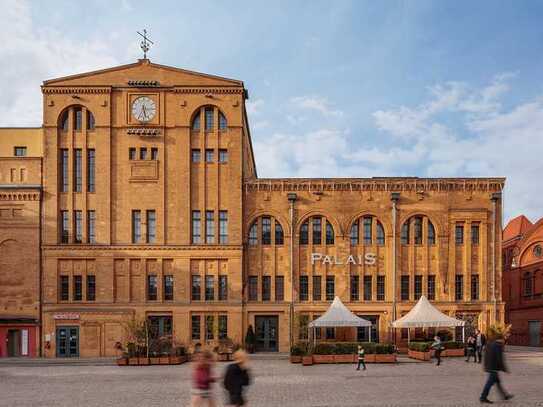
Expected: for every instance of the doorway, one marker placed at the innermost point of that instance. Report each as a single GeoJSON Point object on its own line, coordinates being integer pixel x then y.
{"type": "Point", "coordinates": [67, 341]}
{"type": "Point", "coordinates": [267, 333]}
{"type": "Point", "coordinates": [363, 333]}
{"type": "Point", "coordinates": [14, 343]}
{"type": "Point", "coordinates": [534, 332]}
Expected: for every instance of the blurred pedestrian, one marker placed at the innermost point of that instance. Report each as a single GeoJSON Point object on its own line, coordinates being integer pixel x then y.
{"type": "Point", "coordinates": [480, 342]}
{"type": "Point", "coordinates": [361, 358]}
{"type": "Point", "coordinates": [494, 363]}
{"type": "Point", "coordinates": [437, 346]}
{"type": "Point", "coordinates": [236, 378]}
{"type": "Point", "coordinates": [470, 349]}
{"type": "Point", "coordinates": [202, 380]}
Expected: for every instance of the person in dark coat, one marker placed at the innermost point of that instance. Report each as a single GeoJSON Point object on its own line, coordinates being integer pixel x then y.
{"type": "Point", "coordinates": [470, 349]}
{"type": "Point", "coordinates": [438, 347]}
{"type": "Point", "coordinates": [480, 342]}
{"type": "Point", "coordinates": [236, 378]}
{"type": "Point", "coordinates": [494, 363]}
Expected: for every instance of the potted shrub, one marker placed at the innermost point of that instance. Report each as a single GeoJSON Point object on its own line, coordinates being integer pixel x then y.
{"type": "Point", "coordinates": [250, 340]}
{"type": "Point", "coordinates": [296, 353]}
{"type": "Point", "coordinates": [453, 348]}
{"type": "Point", "coordinates": [369, 351]}
{"type": "Point", "coordinates": [131, 351]}
{"type": "Point", "coordinates": [178, 355]}
{"type": "Point", "coordinates": [324, 353]}
{"type": "Point", "coordinates": [165, 349]}
{"type": "Point", "coordinates": [419, 350]}
{"type": "Point", "coordinates": [346, 353]}
{"type": "Point", "coordinates": [385, 353]}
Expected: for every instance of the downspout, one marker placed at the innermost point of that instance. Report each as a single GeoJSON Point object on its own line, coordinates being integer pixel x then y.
{"type": "Point", "coordinates": [495, 197]}
{"type": "Point", "coordinates": [394, 197]}
{"type": "Point", "coordinates": [291, 199]}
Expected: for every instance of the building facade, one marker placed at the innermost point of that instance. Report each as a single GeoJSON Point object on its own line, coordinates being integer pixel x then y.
{"type": "Point", "coordinates": [523, 280]}
{"type": "Point", "coordinates": [149, 206]}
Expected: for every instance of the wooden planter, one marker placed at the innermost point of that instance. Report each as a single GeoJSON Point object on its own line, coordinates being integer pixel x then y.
{"type": "Point", "coordinates": [164, 360]}
{"type": "Point", "coordinates": [413, 354]}
{"type": "Point", "coordinates": [385, 358]}
{"type": "Point", "coordinates": [154, 360]}
{"type": "Point", "coordinates": [453, 352]}
{"type": "Point", "coordinates": [368, 358]}
{"type": "Point", "coordinates": [142, 361]}
{"type": "Point", "coordinates": [345, 358]}
{"type": "Point", "coordinates": [122, 361]}
{"type": "Point", "coordinates": [133, 361]}
{"type": "Point", "coordinates": [307, 360]}
{"type": "Point", "coordinates": [318, 359]}
{"type": "Point", "coordinates": [177, 360]}
{"type": "Point", "coordinates": [295, 359]}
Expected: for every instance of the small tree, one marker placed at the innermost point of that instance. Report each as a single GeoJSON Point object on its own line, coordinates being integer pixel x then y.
{"type": "Point", "coordinates": [250, 340]}
{"type": "Point", "coordinates": [137, 335]}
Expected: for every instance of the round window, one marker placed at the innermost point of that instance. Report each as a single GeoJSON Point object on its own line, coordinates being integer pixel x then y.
{"type": "Point", "coordinates": [538, 251]}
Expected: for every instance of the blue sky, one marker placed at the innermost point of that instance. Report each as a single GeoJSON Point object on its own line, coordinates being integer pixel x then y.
{"type": "Point", "coordinates": [342, 88]}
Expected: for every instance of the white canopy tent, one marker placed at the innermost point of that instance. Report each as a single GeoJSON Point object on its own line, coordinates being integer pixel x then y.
{"type": "Point", "coordinates": [338, 315]}
{"type": "Point", "coordinates": [425, 315]}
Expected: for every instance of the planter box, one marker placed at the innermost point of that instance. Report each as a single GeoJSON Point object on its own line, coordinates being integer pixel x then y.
{"type": "Point", "coordinates": [385, 358]}
{"type": "Point", "coordinates": [164, 360]}
{"type": "Point", "coordinates": [177, 360]}
{"type": "Point", "coordinates": [143, 361]}
{"type": "Point", "coordinates": [317, 359]}
{"type": "Point", "coordinates": [345, 358]}
{"type": "Point", "coordinates": [295, 359]}
{"type": "Point", "coordinates": [307, 360]}
{"type": "Point", "coordinates": [453, 352]}
{"type": "Point", "coordinates": [368, 358]}
{"type": "Point", "coordinates": [418, 355]}
{"type": "Point", "coordinates": [154, 360]}
{"type": "Point", "coordinates": [133, 361]}
{"type": "Point", "coordinates": [122, 361]}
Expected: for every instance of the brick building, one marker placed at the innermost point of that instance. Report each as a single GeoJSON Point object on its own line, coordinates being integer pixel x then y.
{"type": "Point", "coordinates": [523, 280]}
{"type": "Point", "coordinates": [150, 206]}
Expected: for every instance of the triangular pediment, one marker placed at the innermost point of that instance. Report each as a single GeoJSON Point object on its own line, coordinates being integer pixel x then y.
{"type": "Point", "coordinates": [143, 70]}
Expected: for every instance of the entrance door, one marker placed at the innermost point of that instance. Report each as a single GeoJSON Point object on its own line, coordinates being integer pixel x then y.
{"type": "Point", "coordinates": [534, 331]}
{"type": "Point", "coordinates": [67, 341]}
{"type": "Point", "coordinates": [267, 333]}
{"type": "Point", "coordinates": [14, 343]}
{"type": "Point", "coordinates": [363, 333]}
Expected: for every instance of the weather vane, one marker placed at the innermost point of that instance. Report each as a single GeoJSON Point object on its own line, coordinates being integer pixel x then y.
{"type": "Point", "coordinates": [144, 45]}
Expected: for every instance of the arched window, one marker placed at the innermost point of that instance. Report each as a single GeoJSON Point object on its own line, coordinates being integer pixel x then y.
{"type": "Point", "coordinates": [404, 233]}
{"type": "Point", "coordinates": [365, 225]}
{"type": "Point", "coordinates": [75, 114]}
{"type": "Point", "coordinates": [266, 232]}
{"type": "Point", "coordinates": [78, 118]}
{"type": "Point", "coordinates": [317, 236]}
{"type": "Point", "coordinates": [431, 233]}
{"type": "Point", "coordinates": [304, 233]}
{"type": "Point", "coordinates": [223, 124]}
{"type": "Point", "coordinates": [413, 228]}
{"type": "Point", "coordinates": [329, 233]}
{"type": "Point", "coordinates": [195, 126]}
{"type": "Point", "coordinates": [64, 120]}
{"type": "Point", "coordinates": [208, 112]}
{"type": "Point", "coordinates": [206, 115]}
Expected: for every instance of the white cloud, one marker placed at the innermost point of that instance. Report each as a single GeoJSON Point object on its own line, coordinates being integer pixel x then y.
{"type": "Point", "coordinates": [316, 103]}
{"type": "Point", "coordinates": [254, 107]}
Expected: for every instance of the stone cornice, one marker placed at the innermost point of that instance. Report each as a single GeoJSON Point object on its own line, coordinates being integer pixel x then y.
{"type": "Point", "coordinates": [75, 89]}
{"type": "Point", "coordinates": [19, 196]}
{"type": "Point", "coordinates": [99, 247]}
{"type": "Point", "coordinates": [376, 185]}
{"type": "Point", "coordinates": [210, 90]}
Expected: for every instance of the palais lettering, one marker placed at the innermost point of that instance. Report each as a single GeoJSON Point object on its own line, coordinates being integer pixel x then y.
{"type": "Point", "coordinates": [369, 259]}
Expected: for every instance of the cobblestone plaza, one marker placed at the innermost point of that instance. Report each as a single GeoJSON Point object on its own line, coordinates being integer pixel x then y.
{"type": "Point", "coordinates": [277, 383]}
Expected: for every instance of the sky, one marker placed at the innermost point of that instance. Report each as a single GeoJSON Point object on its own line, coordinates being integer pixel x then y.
{"type": "Point", "coordinates": [337, 88]}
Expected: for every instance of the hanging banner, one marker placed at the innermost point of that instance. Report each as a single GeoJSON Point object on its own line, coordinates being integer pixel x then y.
{"type": "Point", "coordinates": [24, 342]}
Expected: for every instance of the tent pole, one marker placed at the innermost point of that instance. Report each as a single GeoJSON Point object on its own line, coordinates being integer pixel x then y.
{"type": "Point", "coordinates": [464, 333]}
{"type": "Point", "coordinates": [370, 332]}
{"type": "Point", "coordinates": [408, 335]}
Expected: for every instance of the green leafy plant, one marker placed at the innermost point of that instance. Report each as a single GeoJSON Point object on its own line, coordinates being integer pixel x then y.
{"type": "Point", "coordinates": [420, 346]}
{"type": "Point", "coordinates": [298, 349]}
{"type": "Point", "coordinates": [453, 345]}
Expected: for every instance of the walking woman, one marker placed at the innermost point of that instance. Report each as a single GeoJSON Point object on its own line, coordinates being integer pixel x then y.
{"type": "Point", "coordinates": [202, 379]}
{"type": "Point", "coordinates": [236, 378]}
{"type": "Point", "coordinates": [437, 347]}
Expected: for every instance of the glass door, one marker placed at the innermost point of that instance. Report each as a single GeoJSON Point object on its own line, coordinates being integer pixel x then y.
{"type": "Point", "coordinates": [267, 333]}
{"type": "Point", "coordinates": [67, 341]}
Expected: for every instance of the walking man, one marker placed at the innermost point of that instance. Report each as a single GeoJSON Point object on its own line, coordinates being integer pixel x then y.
{"type": "Point", "coordinates": [437, 347]}
{"type": "Point", "coordinates": [361, 358]}
{"type": "Point", "coordinates": [480, 342]}
{"type": "Point", "coordinates": [494, 363]}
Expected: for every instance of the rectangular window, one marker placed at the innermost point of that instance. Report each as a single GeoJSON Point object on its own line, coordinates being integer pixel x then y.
{"type": "Point", "coordinates": [317, 288]}
{"type": "Point", "coordinates": [303, 327]}
{"type": "Point", "coordinates": [367, 230]}
{"type": "Point", "coordinates": [195, 327]}
{"type": "Point", "coordinates": [151, 226]}
{"type": "Point", "coordinates": [355, 288]}
{"type": "Point", "coordinates": [432, 287]}
{"type": "Point", "coordinates": [279, 288]}
{"type": "Point", "coordinates": [404, 289]}
{"type": "Point", "coordinates": [418, 230]}
{"type": "Point", "coordinates": [78, 170]}
{"type": "Point", "coordinates": [152, 287]}
{"type": "Point", "coordinates": [223, 227]}
{"type": "Point", "coordinates": [266, 288]}
{"type": "Point", "coordinates": [459, 287]}
{"type": "Point", "coordinates": [143, 153]}
{"type": "Point", "coordinates": [223, 326]}
{"type": "Point", "coordinates": [78, 227]}
{"type": "Point", "coordinates": [209, 156]}
{"type": "Point", "coordinates": [168, 288]}
{"type": "Point", "coordinates": [459, 234]}
{"type": "Point", "coordinates": [78, 288]}
{"type": "Point", "coordinates": [210, 227]}
{"type": "Point", "coordinates": [330, 333]}
{"type": "Point", "coordinates": [317, 231]}
{"type": "Point", "coordinates": [64, 227]}
{"type": "Point", "coordinates": [91, 287]}
{"type": "Point", "coordinates": [64, 288]}
{"type": "Point", "coordinates": [253, 288]}
{"type": "Point", "coordinates": [474, 287]}
{"type": "Point", "coordinates": [208, 114]}
{"type": "Point", "coordinates": [64, 170]}
{"type": "Point", "coordinates": [78, 118]}
{"type": "Point", "coordinates": [266, 230]}
{"type": "Point", "coordinates": [154, 154]}
{"type": "Point", "coordinates": [195, 155]}
{"type": "Point", "coordinates": [91, 170]}
{"type": "Point", "coordinates": [136, 226]}
{"type": "Point", "coordinates": [330, 288]}
{"type": "Point", "coordinates": [210, 324]}
{"type": "Point", "coordinates": [196, 289]}
{"type": "Point", "coordinates": [19, 151]}
{"type": "Point", "coordinates": [223, 288]}
{"type": "Point", "coordinates": [418, 287]}
{"type": "Point", "coordinates": [223, 156]}
{"type": "Point", "coordinates": [196, 229]}
{"type": "Point", "coordinates": [210, 288]}
{"type": "Point", "coordinates": [304, 288]}
{"type": "Point", "coordinates": [354, 234]}
{"type": "Point", "coordinates": [380, 288]}
{"type": "Point", "coordinates": [91, 227]}
{"type": "Point", "coordinates": [131, 153]}
{"type": "Point", "coordinates": [474, 234]}
{"type": "Point", "coordinates": [367, 288]}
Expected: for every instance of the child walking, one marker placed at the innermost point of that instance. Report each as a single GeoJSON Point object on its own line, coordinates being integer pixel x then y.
{"type": "Point", "coordinates": [361, 358]}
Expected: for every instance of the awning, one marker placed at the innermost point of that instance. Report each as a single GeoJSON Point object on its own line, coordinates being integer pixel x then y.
{"type": "Point", "coordinates": [425, 315]}
{"type": "Point", "coordinates": [338, 315]}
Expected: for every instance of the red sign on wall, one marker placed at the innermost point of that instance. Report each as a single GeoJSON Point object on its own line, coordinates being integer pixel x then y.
{"type": "Point", "coordinates": [66, 315]}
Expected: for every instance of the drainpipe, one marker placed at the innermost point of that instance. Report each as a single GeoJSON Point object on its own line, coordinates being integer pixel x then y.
{"type": "Point", "coordinates": [291, 199]}
{"type": "Point", "coordinates": [394, 197]}
{"type": "Point", "coordinates": [495, 198]}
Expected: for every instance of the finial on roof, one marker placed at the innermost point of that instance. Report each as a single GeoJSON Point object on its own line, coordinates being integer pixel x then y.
{"type": "Point", "coordinates": [145, 44]}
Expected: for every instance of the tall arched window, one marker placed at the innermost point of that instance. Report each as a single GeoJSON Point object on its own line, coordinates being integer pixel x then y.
{"type": "Point", "coordinates": [412, 231]}
{"type": "Point", "coordinates": [79, 121]}
{"type": "Point", "coordinates": [206, 115]}
{"type": "Point", "coordinates": [264, 224]}
{"type": "Point", "coordinates": [367, 229]}
{"type": "Point", "coordinates": [316, 223]}
{"type": "Point", "coordinates": [223, 124]}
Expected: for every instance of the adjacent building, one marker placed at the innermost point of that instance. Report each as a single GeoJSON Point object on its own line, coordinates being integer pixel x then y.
{"type": "Point", "coordinates": [523, 280]}
{"type": "Point", "coordinates": [141, 199]}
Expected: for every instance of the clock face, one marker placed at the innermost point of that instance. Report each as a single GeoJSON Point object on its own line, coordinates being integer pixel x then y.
{"type": "Point", "coordinates": [143, 109]}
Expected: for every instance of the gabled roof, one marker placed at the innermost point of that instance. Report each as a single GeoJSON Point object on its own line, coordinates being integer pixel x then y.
{"type": "Point", "coordinates": [425, 315]}
{"type": "Point", "coordinates": [339, 315]}
{"type": "Point", "coordinates": [143, 70]}
{"type": "Point", "coordinates": [516, 227]}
